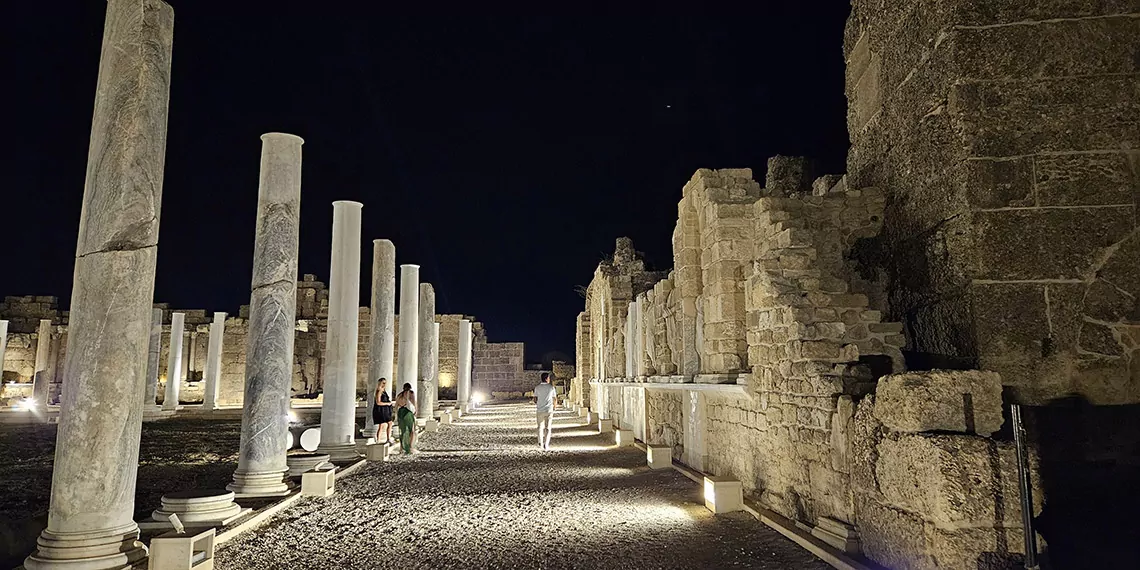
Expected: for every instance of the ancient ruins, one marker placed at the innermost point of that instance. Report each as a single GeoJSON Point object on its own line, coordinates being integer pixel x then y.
{"type": "Point", "coordinates": [846, 356]}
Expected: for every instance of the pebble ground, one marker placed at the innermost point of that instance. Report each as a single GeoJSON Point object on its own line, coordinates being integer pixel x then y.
{"type": "Point", "coordinates": [482, 494]}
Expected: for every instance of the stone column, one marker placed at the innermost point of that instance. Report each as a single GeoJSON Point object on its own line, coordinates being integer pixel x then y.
{"type": "Point", "coordinates": [338, 410]}
{"type": "Point", "coordinates": [40, 381]}
{"type": "Point", "coordinates": [3, 344]}
{"type": "Point", "coordinates": [425, 391]}
{"type": "Point", "coordinates": [408, 362]}
{"type": "Point", "coordinates": [91, 518]}
{"type": "Point", "coordinates": [153, 356]}
{"type": "Point", "coordinates": [382, 343]}
{"type": "Point", "coordinates": [272, 318]}
{"type": "Point", "coordinates": [51, 373]}
{"type": "Point", "coordinates": [463, 383]}
{"type": "Point", "coordinates": [186, 355]}
{"type": "Point", "coordinates": [192, 357]}
{"type": "Point", "coordinates": [174, 361]}
{"type": "Point", "coordinates": [214, 361]}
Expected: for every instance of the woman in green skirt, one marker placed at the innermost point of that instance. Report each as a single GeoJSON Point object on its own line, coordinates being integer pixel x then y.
{"type": "Point", "coordinates": [406, 418]}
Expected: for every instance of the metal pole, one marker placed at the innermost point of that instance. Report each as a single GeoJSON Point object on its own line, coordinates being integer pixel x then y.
{"type": "Point", "coordinates": [1026, 489]}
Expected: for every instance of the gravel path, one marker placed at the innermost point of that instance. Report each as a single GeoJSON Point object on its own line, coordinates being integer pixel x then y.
{"type": "Point", "coordinates": [482, 494]}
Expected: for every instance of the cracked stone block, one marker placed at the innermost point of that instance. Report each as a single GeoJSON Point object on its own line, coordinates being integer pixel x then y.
{"type": "Point", "coordinates": [965, 401]}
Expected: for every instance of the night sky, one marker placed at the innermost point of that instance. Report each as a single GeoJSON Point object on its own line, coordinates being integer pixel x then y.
{"type": "Point", "coordinates": [501, 151]}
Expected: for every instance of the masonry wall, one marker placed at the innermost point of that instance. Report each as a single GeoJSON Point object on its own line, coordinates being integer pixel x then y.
{"type": "Point", "coordinates": [498, 369]}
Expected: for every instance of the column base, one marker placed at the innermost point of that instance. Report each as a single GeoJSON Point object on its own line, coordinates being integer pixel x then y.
{"type": "Point", "coordinates": [260, 484]}
{"type": "Point", "coordinates": [339, 452]}
{"type": "Point", "coordinates": [111, 549]}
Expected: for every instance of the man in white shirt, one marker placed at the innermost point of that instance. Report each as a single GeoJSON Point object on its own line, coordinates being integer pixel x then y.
{"type": "Point", "coordinates": [544, 396]}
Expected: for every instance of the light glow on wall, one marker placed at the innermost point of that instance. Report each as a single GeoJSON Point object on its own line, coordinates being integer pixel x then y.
{"type": "Point", "coordinates": [446, 379]}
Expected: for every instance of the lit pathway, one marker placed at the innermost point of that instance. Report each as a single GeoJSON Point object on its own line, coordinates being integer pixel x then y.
{"type": "Point", "coordinates": [483, 495]}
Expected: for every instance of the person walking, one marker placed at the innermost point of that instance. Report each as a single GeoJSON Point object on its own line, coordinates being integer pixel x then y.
{"type": "Point", "coordinates": [406, 417]}
{"type": "Point", "coordinates": [544, 397]}
{"type": "Point", "coordinates": [382, 412]}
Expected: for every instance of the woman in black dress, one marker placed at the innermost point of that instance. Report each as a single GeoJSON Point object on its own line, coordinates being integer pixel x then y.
{"type": "Point", "coordinates": [382, 412]}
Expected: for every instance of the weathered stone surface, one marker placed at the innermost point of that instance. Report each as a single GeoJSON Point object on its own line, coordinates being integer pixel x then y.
{"type": "Point", "coordinates": [967, 401]}
{"type": "Point", "coordinates": [338, 409]}
{"type": "Point", "coordinates": [788, 175]}
{"type": "Point", "coordinates": [382, 329]}
{"type": "Point", "coordinates": [463, 393]}
{"type": "Point", "coordinates": [408, 370]}
{"type": "Point", "coordinates": [273, 305]}
{"type": "Point", "coordinates": [429, 353]}
{"type": "Point", "coordinates": [152, 361]}
{"type": "Point", "coordinates": [213, 373]}
{"type": "Point", "coordinates": [174, 364]}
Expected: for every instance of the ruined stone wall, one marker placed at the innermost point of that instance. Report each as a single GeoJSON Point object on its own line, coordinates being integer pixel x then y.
{"type": "Point", "coordinates": [1004, 135]}
{"type": "Point", "coordinates": [498, 368]}
{"type": "Point", "coordinates": [584, 361]}
{"type": "Point", "coordinates": [664, 421]}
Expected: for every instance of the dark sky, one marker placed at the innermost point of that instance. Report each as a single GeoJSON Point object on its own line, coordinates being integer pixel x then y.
{"type": "Point", "coordinates": [501, 151]}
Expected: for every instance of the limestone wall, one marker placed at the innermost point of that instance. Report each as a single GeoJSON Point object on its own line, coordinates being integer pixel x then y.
{"type": "Point", "coordinates": [498, 367]}
{"type": "Point", "coordinates": [1004, 136]}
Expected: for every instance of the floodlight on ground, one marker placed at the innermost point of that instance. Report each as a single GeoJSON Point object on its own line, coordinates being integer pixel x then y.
{"type": "Point", "coordinates": [477, 398]}
{"type": "Point", "coordinates": [27, 404]}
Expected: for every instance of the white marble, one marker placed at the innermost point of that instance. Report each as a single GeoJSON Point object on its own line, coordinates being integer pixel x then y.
{"type": "Point", "coordinates": [408, 363]}
{"type": "Point", "coordinates": [272, 319]}
{"type": "Point", "coordinates": [154, 352]}
{"type": "Point", "coordinates": [174, 361]}
{"type": "Point", "coordinates": [426, 391]}
{"type": "Point", "coordinates": [91, 515]}
{"type": "Point", "coordinates": [318, 483]}
{"type": "Point", "coordinates": [40, 381]}
{"type": "Point", "coordinates": [213, 373]}
{"type": "Point", "coordinates": [463, 382]}
{"type": "Point", "coordinates": [382, 342]}
{"type": "Point", "coordinates": [338, 408]}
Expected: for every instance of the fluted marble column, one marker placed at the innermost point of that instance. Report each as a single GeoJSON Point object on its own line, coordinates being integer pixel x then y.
{"type": "Point", "coordinates": [426, 392]}
{"type": "Point", "coordinates": [338, 410]}
{"type": "Point", "coordinates": [382, 343]}
{"type": "Point", "coordinates": [214, 361]}
{"type": "Point", "coordinates": [463, 383]}
{"type": "Point", "coordinates": [3, 344]}
{"type": "Point", "coordinates": [91, 517]}
{"type": "Point", "coordinates": [408, 363]}
{"type": "Point", "coordinates": [40, 380]}
{"type": "Point", "coordinates": [272, 318]}
{"type": "Point", "coordinates": [174, 361]}
{"type": "Point", "coordinates": [154, 352]}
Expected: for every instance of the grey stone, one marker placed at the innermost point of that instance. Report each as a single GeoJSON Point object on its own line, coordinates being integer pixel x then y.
{"type": "Point", "coordinates": [409, 335]}
{"type": "Point", "coordinates": [174, 362]}
{"type": "Point", "coordinates": [338, 409]}
{"type": "Point", "coordinates": [153, 357]}
{"type": "Point", "coordinates": [272, 310]}
{"type": "Point", "coordinates": [382, 340]}
{"type": "Point", "coordinates": [463, 391]}
{"type": "Point", "coordinates": [940, 400]}
{"type": "Point", "coordinates": [789, 175]}
{"type": "Point", "coordinates": [429, 353]}
{"type": "Point", "coordinates": [213, 371]}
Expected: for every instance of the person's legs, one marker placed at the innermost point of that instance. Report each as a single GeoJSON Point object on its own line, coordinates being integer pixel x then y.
{"type": "Point", "coordinates": [407, 429]}
{"type": "Point", "coordinates": [538, 416]}
{"type": "Point", "coordinates": [388, 427]}
{"type": "Point", "coordinates": [549, 430]}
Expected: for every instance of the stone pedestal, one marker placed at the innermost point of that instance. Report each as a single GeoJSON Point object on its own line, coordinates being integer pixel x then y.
{"type": "Point", "coordinates": [445, 418]}
{"type": "Point", "coordinates": [431, 425]}
{"type": "Point", "coordinates": [605, 426]}
{"type": "Point", "coordinates": [463, 380]}
{"type": "Point", "coordinates": [659, 456]}
{"type": "Point", "coordinates": [426, 392]}
{"type": "Point", "coordinates": [338, 409]}
{"type": "Point", "coordinates": [623, 437]}
{"type": "Point", "coordinates": [272, 319]}
{"type": "Point", "coordinates": [362, 443]}
{"type": "Point", "coordinates": [408, 363]}
{"type": "Point", "coordinates": [199, 508]}
{"type": "Point", "coordinates": [583, 412]}
{"type": "Point", "coordinates": [182, 551]}
{"type": "Point", "coordinates": [174, 362]}
{"type": "Point", "coordinates": [154, 353]}
{"type": "Point", "coordinates": [839, 535]}
{"type": "Point", "coordinates": [299, 463]}
{"type": "Point", "coordinates": [213, 374]}
{"type": "Point", "coordinates": [318, 483]}
{"type": "Point", "coordinates": [723, 494]}
{"type": "Point", "coordinates": [91, 516]}
{"type": "Point", "coordinates": [382, 341]}
{"type": "Point", "coordinates": [376, 452]}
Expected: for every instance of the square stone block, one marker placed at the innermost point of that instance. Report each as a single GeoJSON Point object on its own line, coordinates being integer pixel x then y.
{"type": "Point", "coordinates": [174, 551]}
{"type": "Point", "coordinates": [623, 437]}
{"type": "Point", "coordinates": [376, 452]}
{"type": "Point", "coordinates": [445, 418]}
{"type": "Point", "coordinates": [605, 426]}
{"type": "Point", "coordinates": [431, 425]}
{"type": "Point", "coordinates": [583, 412]}
{"type": "Point", "coordinates": [723, 494]}
{"type": "Point", "coordinates": [964, 401]}
{"type": "Point", "coordinates": [362, 443]}
{"type": "Point", "coordinates": [318, 483]}
{"type": "Point", "coordinates": [659, 456]}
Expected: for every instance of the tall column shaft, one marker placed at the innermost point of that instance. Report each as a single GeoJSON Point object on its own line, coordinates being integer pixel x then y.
{"type": "Point", "coordinates": [338, 410]}
{"type": "Point", "coordinates": [3, 344]}
{"type": "Point", "coordinates": [426, 392]}
{"type": "Point", "coordinates": [214, 361]}
{"type": "Point", "coordinates": [40, 381]}
{"type": "Point", "coordinates": [174, 361]}
{"type": "Point", "coordinates": [272, 319]}
{"type": "Point", "coordinates": [91, 517]}
{"type": "Point", "coordinates": [154, 352]}
{"type": "Point", "coordinates": [409, 361]}
{"type": "Point", "coordinates": [382, 343]}
{"type": "Point", "coordinates": [192, 358]}
{"type": "Point", "coordinates": [463, 384]}
{"type": "Point", "coordinates": [51, 374]}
